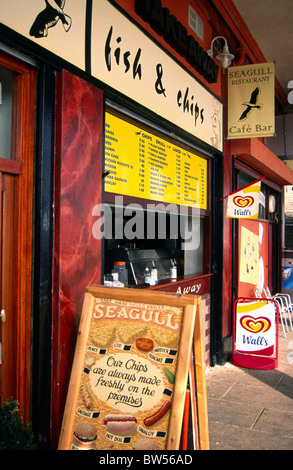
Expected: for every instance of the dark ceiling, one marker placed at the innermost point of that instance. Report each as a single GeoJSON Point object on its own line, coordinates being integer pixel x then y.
{"type": "Point", "coordinates": [271, 24]}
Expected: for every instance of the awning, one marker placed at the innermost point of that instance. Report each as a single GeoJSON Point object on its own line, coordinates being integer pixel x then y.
{"type": "Point", "coordinates": [257, 155]}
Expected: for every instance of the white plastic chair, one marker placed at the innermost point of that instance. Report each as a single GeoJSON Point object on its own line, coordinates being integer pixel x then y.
{"type": "Point", "coordinates": [286, 307]}
{"type": "Point", "coordinates": [257, 292]}
{"type": "Point", "coordinates": [282, 308]}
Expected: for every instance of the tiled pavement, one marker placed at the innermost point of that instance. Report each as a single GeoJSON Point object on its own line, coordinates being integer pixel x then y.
{"type": "Point", "coordinates": [252, 409]}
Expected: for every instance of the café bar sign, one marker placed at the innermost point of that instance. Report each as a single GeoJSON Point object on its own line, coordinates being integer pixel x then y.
{"type": "Point", "coordinates": [118, 53]}
{"type": "Point", "coordinates": [251, 101]}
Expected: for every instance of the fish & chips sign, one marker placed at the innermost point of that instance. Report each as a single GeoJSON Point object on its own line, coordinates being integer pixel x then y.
{"type": "Point", "coordinates": [116, 52]}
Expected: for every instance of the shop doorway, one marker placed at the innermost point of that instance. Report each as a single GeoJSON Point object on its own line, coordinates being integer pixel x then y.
{"type": "Point", "coordinates": [7, 241]}
{"type": "Point", "coordinates": [253, 256]}
{"type": "Point", "coordinates": [17, 83]}
{"type": "Point", "coordinates": [258, 242]}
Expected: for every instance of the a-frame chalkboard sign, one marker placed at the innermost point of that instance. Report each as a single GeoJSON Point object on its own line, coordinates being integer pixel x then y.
{"type": "Point", "coordinates": [130, 371]}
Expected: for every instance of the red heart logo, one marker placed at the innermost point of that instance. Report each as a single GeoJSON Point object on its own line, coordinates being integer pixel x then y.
{"type": "Point", "coordinates": [243, 201]}
{"type": "Point", "coordinates": [255, 325]}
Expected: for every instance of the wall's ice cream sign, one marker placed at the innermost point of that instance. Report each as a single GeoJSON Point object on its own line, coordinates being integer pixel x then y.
{"type": "Point", "coordinates": [255, 328]}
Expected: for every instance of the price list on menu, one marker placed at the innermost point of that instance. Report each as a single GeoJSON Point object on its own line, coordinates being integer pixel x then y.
{"type": "Point", "coordinates": [141, 164]}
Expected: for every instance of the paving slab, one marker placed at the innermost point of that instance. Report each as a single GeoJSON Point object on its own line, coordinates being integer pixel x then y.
{"type": "Point", "coordinates": [231, 437]}
{"type": "Point", "coordinates": [258, 395]}
{"type": "Point", "coordinates": [236, 414]}
{"type": "Point", "coordinates": [279, 423]}
{"type": "Point", "coordinates": [252, 409]}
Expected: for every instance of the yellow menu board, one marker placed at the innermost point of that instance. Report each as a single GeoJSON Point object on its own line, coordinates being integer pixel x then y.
{"type": "Point", "coordinates": [144, 165]}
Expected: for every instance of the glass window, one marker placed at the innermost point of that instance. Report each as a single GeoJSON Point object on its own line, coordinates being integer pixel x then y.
{"type": "Point", "coordinates": [6, 112]}
{"type": "Point", "coordinates": [157, 205]}
{"type": "Point", "coordinates": [268, 196]}
{"type": "Point", "coordinates": [145, 239]}
{"type": "Point", "coordinates": [193, 246]}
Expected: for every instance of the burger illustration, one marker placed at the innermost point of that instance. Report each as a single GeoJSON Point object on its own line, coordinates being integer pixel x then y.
{"type": "Point", "coordinates": [85, 435]}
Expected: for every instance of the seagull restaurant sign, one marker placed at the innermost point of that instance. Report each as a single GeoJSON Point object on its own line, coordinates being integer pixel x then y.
{"type": "Point", "coordinates": [251, 101]}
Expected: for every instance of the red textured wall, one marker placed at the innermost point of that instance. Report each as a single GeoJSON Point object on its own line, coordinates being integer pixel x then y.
{"type": "Point", "coordinates": [77, 254]}
{"type": "Point", "coordinates": [227, 247]}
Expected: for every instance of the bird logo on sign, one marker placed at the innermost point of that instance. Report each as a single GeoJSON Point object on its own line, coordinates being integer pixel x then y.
{"type": "Point", "coordinates": [49, 17]}
{"type": "Point", "coordinates": [251, 105]}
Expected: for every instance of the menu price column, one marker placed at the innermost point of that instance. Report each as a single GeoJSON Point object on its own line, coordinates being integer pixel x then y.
{"type": "Point", "coordinates": [141, 168]}
{"type": "Point", "coordinates": [178, 178]}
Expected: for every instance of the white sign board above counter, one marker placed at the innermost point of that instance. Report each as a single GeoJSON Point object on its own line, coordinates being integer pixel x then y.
{"type": "Point", "coordinates": [106, 44]}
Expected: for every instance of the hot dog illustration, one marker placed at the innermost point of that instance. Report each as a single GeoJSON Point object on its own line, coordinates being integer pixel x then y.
{"type": "Point", "coordinates": [120, 423]}
{"type": "Point", "coordinates": [152, 419]}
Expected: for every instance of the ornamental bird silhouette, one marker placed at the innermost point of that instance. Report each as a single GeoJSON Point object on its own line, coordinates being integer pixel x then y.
{"type": "Point", "coordinates": [49, 17]}
{"type": "Point", "coordinates": [251, 105]}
